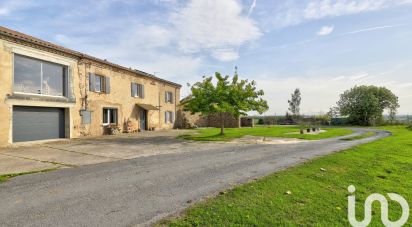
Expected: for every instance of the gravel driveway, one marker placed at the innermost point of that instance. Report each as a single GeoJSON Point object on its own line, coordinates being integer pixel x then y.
{"type": "Point", "coordinates": [142, 190]}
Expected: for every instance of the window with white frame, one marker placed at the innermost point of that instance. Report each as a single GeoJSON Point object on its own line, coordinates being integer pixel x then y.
{"type": "Point", "coordinates": [138, 90]}
{"type": "Point", "coordinates": [169, 117]}
{"type": "Point", "coordinates": [35, 76]}
{"type": "Point", "coordinates": [99, 84]}
{"type": "Point", "coordinates": [109, 116]}
{"type": "Point", "coordinates": [168, 97]}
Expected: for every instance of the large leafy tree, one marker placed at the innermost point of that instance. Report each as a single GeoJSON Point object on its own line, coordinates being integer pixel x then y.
{"type": "Point", "coordinates": [294, 103]}
{"type": "Point", "coordinates": [364, 105]}
{"type": "Point", "coordinates": [233, 96]}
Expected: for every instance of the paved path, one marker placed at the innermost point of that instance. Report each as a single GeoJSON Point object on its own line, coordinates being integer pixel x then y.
{"type": "Point", "coordinates": [143, 190]}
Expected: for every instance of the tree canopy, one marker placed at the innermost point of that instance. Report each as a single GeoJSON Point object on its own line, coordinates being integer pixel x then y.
{"type": "Point", "coordinates": [364, 105]}
{"type": "Point", "coordinates": [233, 96]}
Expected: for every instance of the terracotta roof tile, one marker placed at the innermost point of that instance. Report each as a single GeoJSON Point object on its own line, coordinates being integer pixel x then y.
{"type": "Point", "coordinates": [27, 38]}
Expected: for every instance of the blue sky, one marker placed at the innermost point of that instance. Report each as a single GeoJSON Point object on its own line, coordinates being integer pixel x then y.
{"type": "Point", "coordinates": [321, 46]}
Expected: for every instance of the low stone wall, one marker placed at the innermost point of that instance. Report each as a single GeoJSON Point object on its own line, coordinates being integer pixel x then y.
{"type": "Point", "coordinates": [185, 119]}
{"type": "Point", "coordinates": [230, 121]}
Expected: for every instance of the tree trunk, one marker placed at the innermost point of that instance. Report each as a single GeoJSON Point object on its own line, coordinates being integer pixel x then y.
{"type": "Point", "coordinates": [222, 125]}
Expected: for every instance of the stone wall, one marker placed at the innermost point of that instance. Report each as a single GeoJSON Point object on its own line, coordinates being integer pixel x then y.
{"type": "Point", "coordinates": [83, 99]}
{"type": "Point", "coordinates": [230, 121]}
{"type": "Point", "coordinates": [185, 119]}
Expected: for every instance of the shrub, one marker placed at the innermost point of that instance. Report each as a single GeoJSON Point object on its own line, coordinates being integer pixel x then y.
{"type": "Point", "coordinates": [260, 121]}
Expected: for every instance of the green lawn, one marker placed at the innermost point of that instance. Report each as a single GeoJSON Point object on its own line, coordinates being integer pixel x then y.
{"type": "Point", "coordinates": [316, 198]}
{"type": "Point", "coordinates": [213, 134]}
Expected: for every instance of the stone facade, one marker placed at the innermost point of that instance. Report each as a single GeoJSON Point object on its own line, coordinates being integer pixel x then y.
{"type": "Point", "coordinates": [79, 97]}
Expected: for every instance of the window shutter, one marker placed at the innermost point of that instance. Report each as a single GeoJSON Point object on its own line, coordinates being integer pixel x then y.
{"type": "Point", "coordinates": [171, 97]}
{"type": "Point", "coordinates": [68, 93]}
{"type": "Point", "coordinates": [166, 117]}
{"type": "Point", "coordinates": [91, 82]}
{"type": "Point", "coordinates": [142, 91]}
{"type": "Point", "coordinates": [107, 85]}
{"type": "Point", "coordinates": [172, 117]}
{"type": "Point", "coordinates": [165, 96]}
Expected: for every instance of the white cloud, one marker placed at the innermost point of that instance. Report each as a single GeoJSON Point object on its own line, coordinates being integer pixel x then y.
{"type": "Point", "coordinates": [206, 25]}
{"type": "Point", "coordinates": [325, 30]}
{"type": "Point", "coordinates": [372, 29]}
{"type": "Point", "coordinates": [225, 54]}
{"type": "Point", "coordinates": [328, 8]}
{"type": "Point", "coordinates": [289, 13]}
{"type": "Point", "coordinates": [201, 27]}
{"type": "Point", "coordinates": [359, 76]}
{"type": "Point", "coordinates": [150, 36]}
{"type": "Point", "coordinates": [251, 8]}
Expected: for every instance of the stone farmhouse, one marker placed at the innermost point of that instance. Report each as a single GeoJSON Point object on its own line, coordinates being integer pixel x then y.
{"type": "Point", "coordinates": [49, 92]}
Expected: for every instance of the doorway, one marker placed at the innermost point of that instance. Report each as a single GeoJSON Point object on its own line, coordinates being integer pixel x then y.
{"type": "Point", "coordinates": [143, 119]}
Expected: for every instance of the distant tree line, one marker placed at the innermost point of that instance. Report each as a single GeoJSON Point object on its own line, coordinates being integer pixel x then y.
{"type": "Point", "coordinates": [360, 105]}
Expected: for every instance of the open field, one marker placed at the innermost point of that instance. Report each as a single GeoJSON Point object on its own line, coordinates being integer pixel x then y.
{"type": "Point", "coordinates": [315, 193]}
{"type": "Point", "coordinates": [212, 134]}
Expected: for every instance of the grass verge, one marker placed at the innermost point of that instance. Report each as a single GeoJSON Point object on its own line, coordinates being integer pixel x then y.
{"type": "Point", "coordinates": [212, 134]}
{"type": "Point", "coordinates": [363, 136]}
{"type": "Point", "coordinates": [6, 177]}
{"type": "Point", "coordinates": [315, 193]}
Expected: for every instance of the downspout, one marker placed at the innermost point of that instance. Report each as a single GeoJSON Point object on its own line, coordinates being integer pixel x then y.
{"type": "Point", "coordinates": [85, 87]}
{"type": "Point", "coordinates": [159, 105]}
{"type": "Point", "coordinates": [175, 115]}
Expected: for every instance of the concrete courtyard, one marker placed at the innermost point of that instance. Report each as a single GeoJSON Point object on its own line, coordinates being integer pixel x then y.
{"type": "Point", "coordinates": [78, 152]}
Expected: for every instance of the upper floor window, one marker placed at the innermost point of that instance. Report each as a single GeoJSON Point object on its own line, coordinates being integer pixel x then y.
{"type": "Point", "coordinates": [39, 77]}
{"type": "Point", "coordinates": [168, 97]}
{"type": "Point", "coordinates": [100, 84]}
{"type": "Point", "coordinates": [138, 90]}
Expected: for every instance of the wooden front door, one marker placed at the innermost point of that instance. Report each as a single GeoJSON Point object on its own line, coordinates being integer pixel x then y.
{"type": "Point", "coordinates": [143, 119]}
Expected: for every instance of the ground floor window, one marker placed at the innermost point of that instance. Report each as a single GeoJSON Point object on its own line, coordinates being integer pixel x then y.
{"type": "Point", "coordinates": [169, 117]}
{"type": "Point", "coordinates": [109, 116]}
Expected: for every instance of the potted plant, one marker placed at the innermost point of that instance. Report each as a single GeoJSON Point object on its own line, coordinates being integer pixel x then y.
{"type": "Point", "coordinates": [114, 129]}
